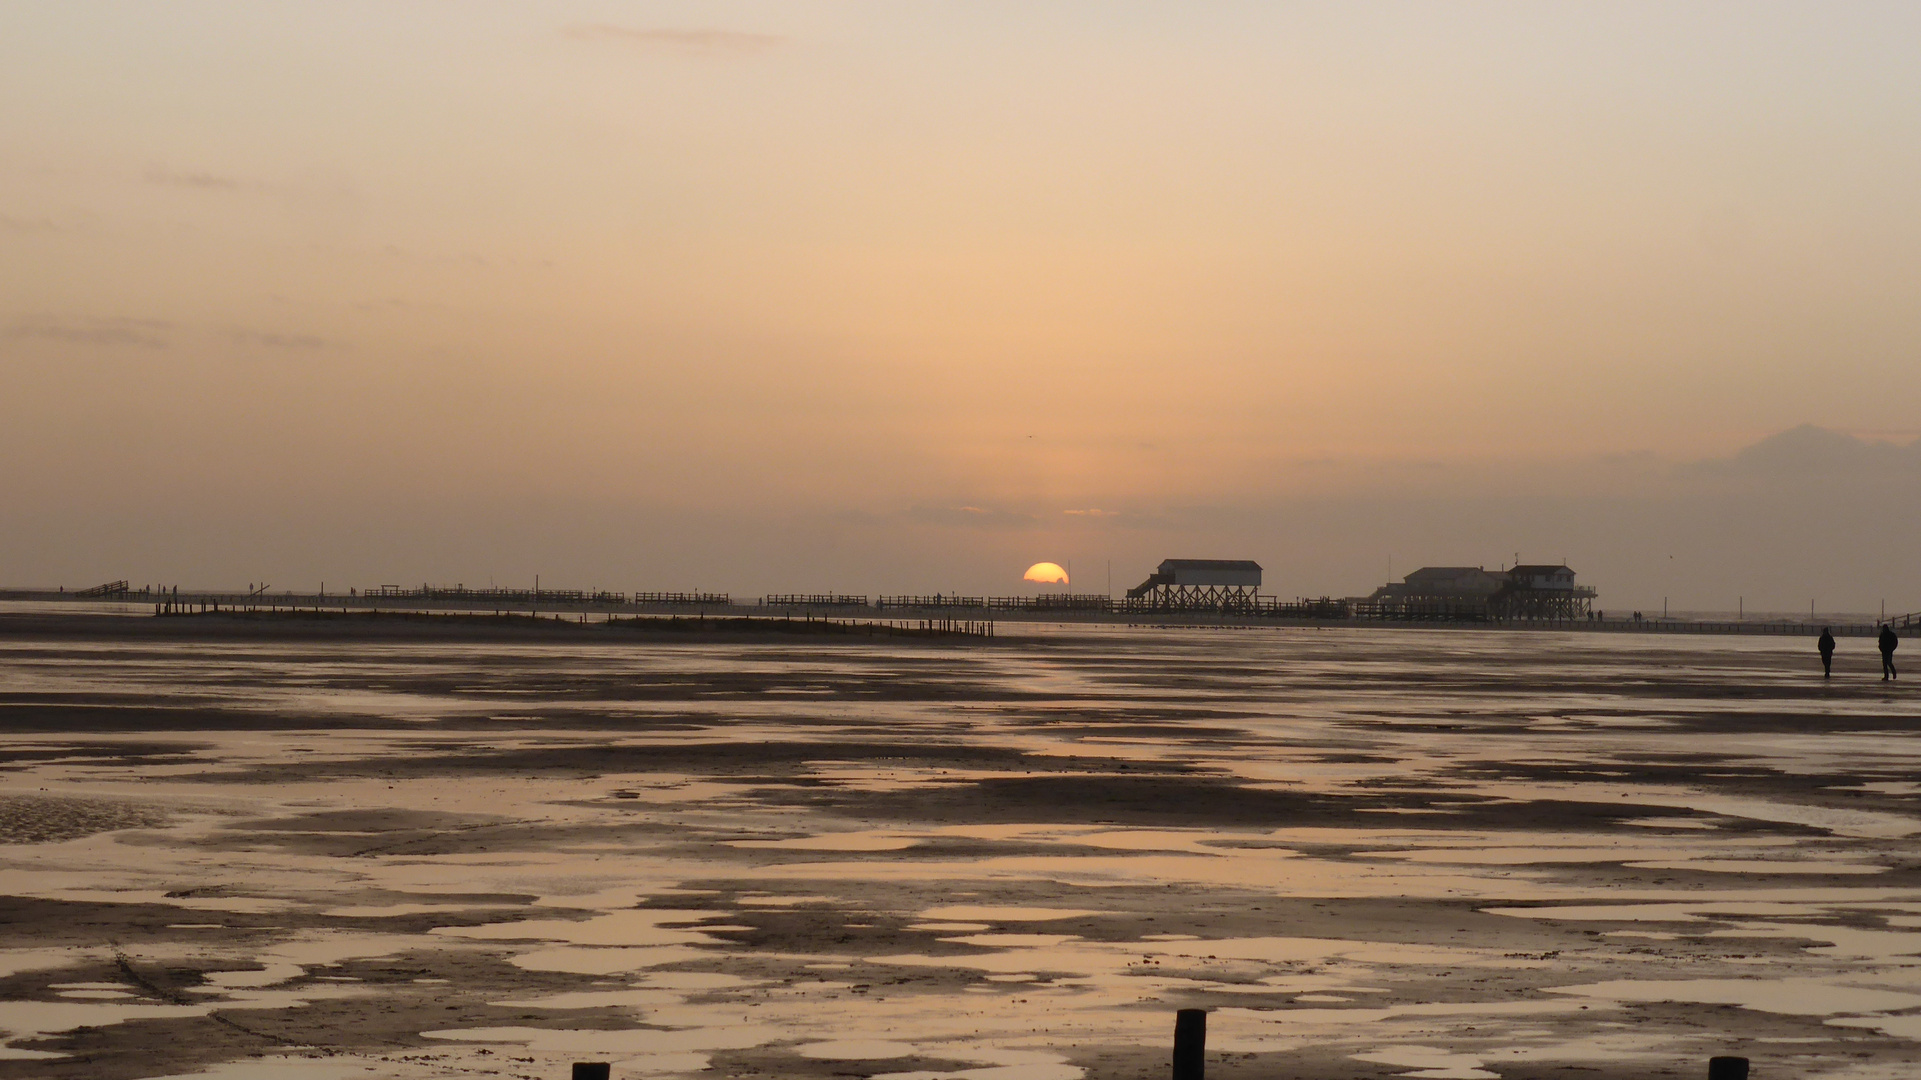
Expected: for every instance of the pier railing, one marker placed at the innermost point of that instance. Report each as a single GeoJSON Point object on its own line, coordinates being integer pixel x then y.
{"type": "Point", "coordinates": [1068, 607]}
{"type": "Point", "coordinates": [938, 600]}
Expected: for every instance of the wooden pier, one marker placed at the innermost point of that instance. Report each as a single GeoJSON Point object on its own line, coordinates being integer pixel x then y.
{"type": "Point", "coordinates": [935, 610]}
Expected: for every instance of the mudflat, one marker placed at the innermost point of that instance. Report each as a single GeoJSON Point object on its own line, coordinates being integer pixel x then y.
{"type": "Point", "coordinates": [1369, 852]}
{"type": "Point", "coordinates": [370, 625]}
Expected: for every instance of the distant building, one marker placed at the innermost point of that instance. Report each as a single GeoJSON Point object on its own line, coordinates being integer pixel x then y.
{"type": "Point", "coordinates": [1199, 585]}
{"type": "Point", "coordinates": [1539, 591]}
{"type": "Point", "coordinates": [1541, 577]}
{"type": "Point", "coordinates": [1474, 592]}
{"type": "Point", "coordinates": [1440, 592]}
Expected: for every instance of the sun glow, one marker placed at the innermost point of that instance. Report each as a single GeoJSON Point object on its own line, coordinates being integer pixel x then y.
{"type": "Point", "coordinates": [1046, 573]}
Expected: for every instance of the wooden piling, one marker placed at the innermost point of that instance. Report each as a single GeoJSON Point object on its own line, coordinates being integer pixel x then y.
{"type": "Point", "coordinates": [1728, 1068]}
{"type": "Point", "coordinates": [591, 1070]}
{"type": "Point", "coordinates": [1190, 1043]}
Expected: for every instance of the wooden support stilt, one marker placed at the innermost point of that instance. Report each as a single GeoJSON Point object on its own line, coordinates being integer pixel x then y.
{"type": "Point", "coordinates": [1190, 1044]}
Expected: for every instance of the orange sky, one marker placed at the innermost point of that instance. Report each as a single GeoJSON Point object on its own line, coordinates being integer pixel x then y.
{"type": "Point", "coordinates": [712, 263]}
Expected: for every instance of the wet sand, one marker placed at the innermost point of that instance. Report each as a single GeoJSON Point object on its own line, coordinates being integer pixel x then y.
{"type": "Point", "coordinates": [1375, 852]}
{"type": "Point", "coordinates": [134, 623]}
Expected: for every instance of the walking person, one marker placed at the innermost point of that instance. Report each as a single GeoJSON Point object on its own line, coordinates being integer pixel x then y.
{"type": "Point", "coordinates": [1826, 645]}
{"type": "Point", "coordinates": [1889, 643]}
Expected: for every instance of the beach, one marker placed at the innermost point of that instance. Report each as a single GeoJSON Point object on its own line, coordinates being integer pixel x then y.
{"type": "Point", "coordinates": [1368, 852]}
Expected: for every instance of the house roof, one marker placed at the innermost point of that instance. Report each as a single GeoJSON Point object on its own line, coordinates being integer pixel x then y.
{"type": "Point", "coordinates": [1445, 571]}
{"type": "Point", "coordinates": [1533, 569]}
{"type": "Point", "coordinates": [1168, 565]}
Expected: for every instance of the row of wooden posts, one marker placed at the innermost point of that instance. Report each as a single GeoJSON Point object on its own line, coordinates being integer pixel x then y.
{"type": "Point", "coordinates": [1190, 1052]}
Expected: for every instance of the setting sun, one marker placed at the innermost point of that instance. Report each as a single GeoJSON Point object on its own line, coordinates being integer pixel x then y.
{"type": "Point", "coordinates": [1046, 573]}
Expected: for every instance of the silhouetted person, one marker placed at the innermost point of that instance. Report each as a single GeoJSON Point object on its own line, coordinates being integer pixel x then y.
{"type": "Point", "coordinates": [1826, 645]}
{"type": "Point", "coordinates": [1889, 643]}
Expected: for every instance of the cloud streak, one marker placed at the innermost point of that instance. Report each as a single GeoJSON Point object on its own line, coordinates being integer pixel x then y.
{"type": "Point", "coordinates": [87, 330]}
{"type": "Point", "coordinates": [268, 339]}
{"type": "Point", "coordinates": [696, 40]}
{"type": "Point", "coordinates": [198, 181]}
{"type": "Point", "coordinates": [970, 517]}
{"type": "Point", "coordinates": [127, 331]}
{"type": "Point", "coordinates": [27, 226]}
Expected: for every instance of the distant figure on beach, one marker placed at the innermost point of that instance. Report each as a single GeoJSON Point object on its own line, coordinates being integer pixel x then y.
{"type": "Point", "coordinates": [1889, 643]}
{"type": "Point", "coordinates": [1826, 645]}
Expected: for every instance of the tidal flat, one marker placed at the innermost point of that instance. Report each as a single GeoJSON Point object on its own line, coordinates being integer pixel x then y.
{"type": "Point", "coordinates": [1368, 852]}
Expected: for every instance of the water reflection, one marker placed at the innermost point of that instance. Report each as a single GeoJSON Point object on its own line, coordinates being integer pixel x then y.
{"type": "Point", "coordinates": [1445, 853]}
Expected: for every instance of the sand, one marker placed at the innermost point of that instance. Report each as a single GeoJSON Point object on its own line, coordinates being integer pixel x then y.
{"type": "Point", "coordinates": [1370, 852]}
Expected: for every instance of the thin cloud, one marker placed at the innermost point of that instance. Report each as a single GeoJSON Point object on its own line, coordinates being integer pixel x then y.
{"type": "Point", "coordinates": [268, 339]}
{"type": "Point", "coordinates": [700, 40]}
{"type": "Point", "coordinates": [27, 226]}
{"type": "Point", "coordinates": [972, 517]}
{"type": "Point", "coordinates": [1808, 452]}
{"type": "Point", "coordinates": [86, 330]}
{"type": "Point", "coordinates": [199, 181]}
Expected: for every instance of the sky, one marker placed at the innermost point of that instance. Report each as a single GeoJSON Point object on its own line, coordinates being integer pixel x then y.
{"type": "Point", "coordinates": [898, 298]}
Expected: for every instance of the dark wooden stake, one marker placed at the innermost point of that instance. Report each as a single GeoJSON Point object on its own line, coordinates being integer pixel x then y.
{"type": "Point", "coordinates": [1728, 1068]}
{"type": "Point", "coordinates": [590, 1070]}
{"type": "Point", "coordinates": [1190, 1043]}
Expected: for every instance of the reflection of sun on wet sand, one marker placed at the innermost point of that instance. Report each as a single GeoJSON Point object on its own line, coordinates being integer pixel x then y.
{"type": "Point", "coordinates": [1454, 854]}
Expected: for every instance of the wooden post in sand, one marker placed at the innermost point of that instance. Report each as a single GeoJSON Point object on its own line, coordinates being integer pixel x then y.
{"type": "Point", "coordinates": [1728, 1068]}
{"type": "Point", "coordinates": [590, 1070]}
{"type": "Point", "coordinates": [1190, 1043]}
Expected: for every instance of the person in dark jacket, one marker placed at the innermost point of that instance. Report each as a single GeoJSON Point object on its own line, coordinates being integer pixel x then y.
{"type": "Point", "coordinates": [1889, 643]}
{"type": "Point", "coordinates": [1826, 645]}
